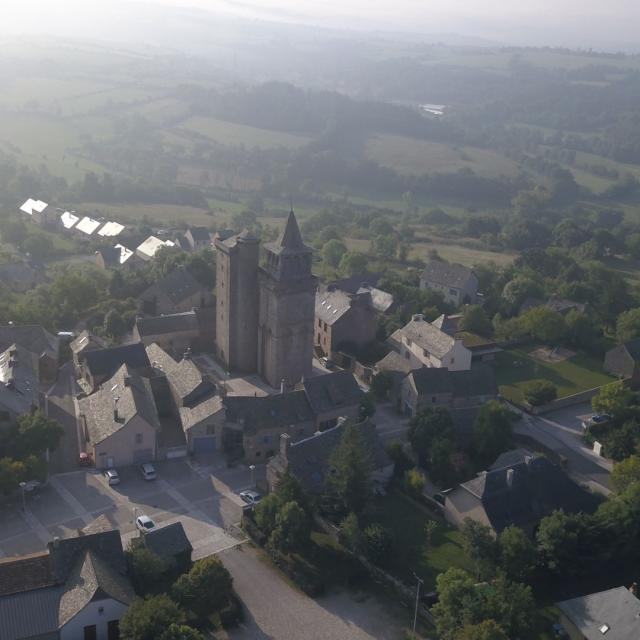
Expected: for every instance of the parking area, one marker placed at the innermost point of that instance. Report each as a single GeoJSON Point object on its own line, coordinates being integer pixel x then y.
{"type": "Point", "coordinates": [204, 497]}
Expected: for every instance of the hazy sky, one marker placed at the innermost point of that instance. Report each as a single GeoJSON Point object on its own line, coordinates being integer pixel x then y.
{"type": "Point", "coordinates": [591, 22]}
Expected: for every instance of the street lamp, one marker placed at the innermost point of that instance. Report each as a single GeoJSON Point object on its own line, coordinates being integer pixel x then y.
{"type": "Point", "coordinates": [24, 504]}
{"type": "Point", "coordinates": [415, 615]}
{"type": "Point", "coordinates": [252, 468]}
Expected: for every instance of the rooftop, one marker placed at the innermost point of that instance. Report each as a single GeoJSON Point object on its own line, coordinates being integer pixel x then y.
{"type": "Point", "coordinates": [32, 337]}
{"type": "Point", "coordinates": [448, 274]}
{"type": "Point", "coordinates": [151, 246]}
{"type": "Point", "coordinates": [332, 305]}
{"type": "Point", "coordinates": [68, 219]}
{"type": "Point", "coordinates": [480, 380]}
{"type": "Point", "coordinates": [170, 323]}
{"type": "Point", "coordinates": [30, 206]}
{"type": "Point", "coordinates": [19, 386]}
{"type": "Point", "coordinates": [111, 229]}
{"type": "Point", "coordinates": [178, 285]}
{"type": "Point", "coordinates": [88, 225]}
{"type": "Point", "coordinates": [290, 240]}
{"type": "Point", "coordinates": [168, 541]}
{"type": "Point", "coordinates": [336, 390]}
{"type": "Point", "coordinates": [425, 335]}
{"type": "Point", "coordinates": [105, 362]}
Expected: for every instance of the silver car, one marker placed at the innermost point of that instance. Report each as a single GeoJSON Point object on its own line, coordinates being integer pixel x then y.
{"type": "Point", "coordinates": [112, 477]}
{"type": "Point", "coordinates": [148, 471]}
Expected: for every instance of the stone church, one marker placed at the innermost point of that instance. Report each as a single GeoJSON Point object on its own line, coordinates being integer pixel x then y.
{"type": "Point", "coordinates": [265, 314]}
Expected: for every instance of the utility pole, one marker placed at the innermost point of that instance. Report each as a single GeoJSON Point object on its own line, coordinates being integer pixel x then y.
{"type": "Point", "coordinates": [24, 503]}
{"type": "Point", "coordinates": [415, 615]}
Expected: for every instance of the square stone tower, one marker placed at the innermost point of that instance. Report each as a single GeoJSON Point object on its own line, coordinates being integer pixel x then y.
{"type": "Point", "coordinates": [287, 309]}
{"type": "Point", "coordinates": [237, 302]}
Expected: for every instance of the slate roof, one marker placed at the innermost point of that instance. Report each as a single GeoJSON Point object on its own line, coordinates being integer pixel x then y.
{"type": "Point", "coordinates": [538, 488]}
{"type": "Point", "coordinates": [455, 276]}
{"type": "Point", "coordinates": [509, 458]}
{"type": "Point", "coordinates": [170, 323]}
{"type": "Point", "coordinates": [178, 285]}
{"type": "Point", "coordinates": [230, 241]}
{"type": "Point", "coordinates": [135, 397]}
{"type": "Point", "coordinates": [308, 459]}
{"type": "Point", "coordinates": [201, 410]}
{"type": "Point", "coordinates": [168, 541]}
{"type": "Point", "coordinates": [332, 305]}
{"type": "Point", "coordinates": [31, 205]}
{"type": "Point", "coordinates": [448, 324]}
{"type": "Point", "coordinates": [31, 337]}
{"type": "Point", "coordinates": [480, 380]}
{"type": "Point", "coordinates": [268, 412]}
{"type": "Point", "coordinates": [151, 246]}
{"type": "Point", "coordinates": [105, 362]}
{"type": "Point", "coordinates": [380, 300]}
{"type": "Point", "coordinates": [426, 336]}
{"type": "Point", "coordinates": [331, 391]}
{"type": "Point", "coordinates": [355, 282]}
{"type": "Point", "coordinates": [394, 363]}
{"type": "Point", "coordinates": [111, 229]}
{"type": "Point", "coordinates": [616, 608]}
{"type": "Point", "coordinates": [85, 340]}
{"type": "Point", "coordinates": [39, 593]}
{"type": "Point", "coordinates": [19, 384]}
{"type": "Point", "coordinates": [200, 235]}
{"type": "Point", "coordinates": [632, 347]}
{"type": "Point", "coordinates": [290, 240]}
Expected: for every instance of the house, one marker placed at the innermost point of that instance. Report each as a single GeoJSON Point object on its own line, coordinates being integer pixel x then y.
{"type": "Point", "coordinates": [520, 493]}
{"type": "Point", "coordinates": [87, 227]}
{"type": "Point", "coordinates": [176, 292]}
{"type": "Point", "coordinates": [612, 614]}
{"type": "Point", "coordinates": [559, 305]}
{"type": "Point", "coordinates": [623, 360]}
{"type": "Point", "coordinates": [147, 250]}
{"type": "Point", "coordinates": [84, 342]}
{"type": "Point", "coordinates": [37, 341]}
{"type": "Point", "coordinates": [198, 238]}
{"type": "Point", "coordinates": [21, 277]}
{"type": "Point", "coordinates": [344, 322]}
{"type": "Point", "coordinates": [255, 424]}
{"type": "Point", "coordinates": [39, 212]}
{"type": "Point", "coordinates": [170, 543]}
{"type": "Point", "coordinates": [458, 284]}
{"type": "Point", "coordinates": [482, 349]}
{"type": "Point", "coordinates": [332, 396]}
{"type": "Point", "coordinates": [309, 459]}
{"type": "Point", "coordinates": [177, 332]}
{"type": "Point", "coordinates": [424, 345]}
{"type": "Point", "coordinates": [111, 230]}
{"type": "Point", "coordinates": [117, 256]}
{"type": "Point", "coordinates": [94, 366]}
{"type": "Point", "coordinates": [77, 588]}
{"type": "Point", "coordinates": [119, 422]}
{"type": "Point", "coordinates": [382, 302]}
{"type": "Point", "coordinates": [427, 387]}
{"type": "Point", "coordinates": [19, 384]}
{"type": "Point", "coordinates": [68, 220]}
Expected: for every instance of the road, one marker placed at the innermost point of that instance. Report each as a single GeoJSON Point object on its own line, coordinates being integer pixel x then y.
{"type": "Point", "coordinates": [561, 432]}
{"type": "Point", "coordinates": [274, 610]}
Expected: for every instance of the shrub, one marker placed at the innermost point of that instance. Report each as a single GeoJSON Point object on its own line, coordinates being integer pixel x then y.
{"type": "Point", "coordinates": [377, 541]}
{"type": "Point", "coordinates": [539, 392]}
{"type": "Point", "coordinates": [414, 482]}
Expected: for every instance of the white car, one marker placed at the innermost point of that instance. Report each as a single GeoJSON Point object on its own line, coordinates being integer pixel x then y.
{"type": "Point", "coordinates": [112, 477]}
{"type": "Point", "coordinates": [250, 497]}
{"type": "Point", "coordinates": [148, 471]}
{"type": "Point", "coordinates": [145, 523]}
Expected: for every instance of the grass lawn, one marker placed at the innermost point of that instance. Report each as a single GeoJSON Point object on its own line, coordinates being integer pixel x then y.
{"type": "Point", "coordinates": [515, 368]}
{"type": "Point", "coordinates": [407, 521]}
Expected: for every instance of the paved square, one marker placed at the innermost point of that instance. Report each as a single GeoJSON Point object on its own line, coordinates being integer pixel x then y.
{"type": "Point", "coordinates": [203, 497]}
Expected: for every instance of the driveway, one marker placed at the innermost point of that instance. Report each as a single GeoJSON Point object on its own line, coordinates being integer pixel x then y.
{"type": "Point", "coordinates": [205, 500]}
{"type": "Point", "coordinates": [274, 610]}
{"type": "Point", "coordinates": [390, 424]}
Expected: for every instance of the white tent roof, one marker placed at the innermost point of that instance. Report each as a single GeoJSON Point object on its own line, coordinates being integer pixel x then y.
{"type": "Point", "coordinates": [88, 225]}
{"type": "Point", "coordinates": [111, 229]}
{"type": "Point", "coordinates": [68, 220]}
{"type": "Point", "coordinates": [151, 246]}
{"type": "Point", "coordinates": [125, 253]}
{"type": "Point", "coordinates": [32, 205]}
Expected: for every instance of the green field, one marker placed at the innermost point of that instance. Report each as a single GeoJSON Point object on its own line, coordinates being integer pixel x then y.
{"type": "Point", "coordinates": [164, 214]}
{"type": "Point", "coordinates": [515, 368]}
{"type": "Point", "coordinates": [416, 157]}
{"type": "Point", "coordinates": [230, 133]}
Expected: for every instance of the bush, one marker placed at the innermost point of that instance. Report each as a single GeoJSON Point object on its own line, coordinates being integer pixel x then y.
{"type": "Point", "coordinates": [414, 482]}
{"type": "Point", "coordinates": [377, 541]}
{"type": "Point", "coordinates": [253, 530]}
{"type": "Point", "coordinates": [539, 392]}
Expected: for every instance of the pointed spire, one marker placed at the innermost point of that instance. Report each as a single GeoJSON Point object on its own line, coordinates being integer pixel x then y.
{"type": "Point", "coordinates": [291, 237]}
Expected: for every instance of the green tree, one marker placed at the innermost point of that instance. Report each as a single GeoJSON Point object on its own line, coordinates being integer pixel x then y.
{"type": "Point", "coordinates": [454, 588]}
{"type": "Point", "coordinates": [581, 330]}
{"type": "Point", "coordinates": [181, 632]}
{"type": "Point", "coordinates": [39, 247]}
{"type": "Point", "coordinates": [350, 532]}
{"type": "Point", "coordinates": [625, 473]}
{"type": "Point", "coordinates": [12, 473]}
{"type": "Point", "coordinates": [376, 542]}
{"type": "Point", "coordinates": [353, 263]}
{"type": "Point", "coordinates": [289, 489]}
{"type": "Point", "coordinates": [149, 618]}
{"type": "Point", "coordinates": [613, 399]}
{"type": "Point", "coordinates": [292, 528]}
{"type": "Point", "coordinates": [561, 538]}
{"type": "Point", "coordinates": [492, 431]}
{"type": "Point", "coordinates": [114, 325]}
{"type": "Point", "coordinates": [475, 320]}
{"type": "Point", "coordinates": [146, 569]}
{"type": "Point", "coordinates": [481, 546]}
{"type": "Point", "coordinates": [384, 246]}
{"type": "Point", "coordinates": [332, 252]}
{"type": "Point", "coordinates": [428, 425]}
{"type": "Point", "coordinates": [401, 461]}
{"type": "Point", "coordinates": [350, 482]}
{"type": "Point", "coordinates": [14, 232]}
{"type": "Point", "coordinates": [486, 630]}
{"type": "Point", "coordinates": [517, 553]}
{"type": "Point", "coordinates": [266, 511]}
{"type": "Point", "coordinates": [628, 325]}
{"type": "Point", "coordinates": [538, 392]}
{"type": "Point", "coordinates": [414, 482]}
{"type": "Point", "coordinates": [37, 433]}
{"type": "Point", "coordinates": [430, 529]}
{"type": "Point", "coordinates": [544, 324]}
{"type": "Point", "coordinates": [380, 227]}
{"type": "Point", "coordinates": [205, 589]}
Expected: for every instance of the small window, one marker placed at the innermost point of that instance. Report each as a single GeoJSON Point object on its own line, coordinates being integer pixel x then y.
{"type": "Point", "coordinates": [90, 632]}
{"type": "Point", "coordinates": [453, 292]}
{"type": "Point", "coordinates": [453, 360]}
{"type": "Point", "coordinates": [406, 355]}
{"type": "Point", "coordinates": [113, 630]}
{"type": "Point", "coordinates": [138, 438]}
{"type": "Point", "coordinates": [425, 353]}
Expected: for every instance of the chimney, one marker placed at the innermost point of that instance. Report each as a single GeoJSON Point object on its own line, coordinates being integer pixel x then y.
{"type": "Point", "coordinates": [187, 354]}
{"type": "Point", "coordinates": [56, 542]}
{"type": "Point", "coordinates": [285, 443]}
{"type": "Point", "coordinates": [116, 417]}
{"type": "Point", "coordinates": [510, 474]}
{"type": "Point", "coordinates": [417, 317]}
{"type": "Point", "coordinates": [283, 386]}
{"type": "Point", "coordinates": [634, 589]}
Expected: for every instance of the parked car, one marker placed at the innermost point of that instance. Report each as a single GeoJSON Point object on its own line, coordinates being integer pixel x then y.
{"type": "Point", "coordinates": [145, 523]}
{"type": "Point", "coordinates": [112, 477]}
{"type": "Point", "coordinates": [327, 363]}
{"type": "Point", "coordinates": [85, 460]}
{"type": "Point", "coordinates": [148, 471]}
{"type": "Point", "coordinates": [250, 497]}
{"type": "Point", "coordinates": [596, 419]}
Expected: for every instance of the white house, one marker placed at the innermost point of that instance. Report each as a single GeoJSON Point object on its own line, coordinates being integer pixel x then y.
{"type": "Point", "coordinates": [457, 283]}
{"type": "Point", "coordinates": [424, 345]}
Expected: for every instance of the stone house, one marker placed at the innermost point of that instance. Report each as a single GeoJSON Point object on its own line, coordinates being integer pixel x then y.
{"type": "Point", "coordinates": [176, 292]}
{"type": "Point", "coordinates": [117, 256]}
{"type": "Point", "coordinates": [424, 345]}
{"type": "Point", "coordinates": [610, 614]}
{"type": "Point", "coordinates": [85, 341]}
{"type": "Point", "coordinates": [622, 361]}
{"type": "Point", "coordinates": [332, 396]}
{"type": "Point", "coordinates": [458, 284]}
{"type": "Point", "coordinates": [309, 459]}
{"type": "Point", "coordinates": [344, 321]}
{"type": "Point", "coordinates": [198, 238]}
{"type": "Point", "coordinates": [520, 493]}
{"type": "Point", "coordinates": [44, 346]}
{"type": "Point", "coordinates": [119, 422]}
{"type": "Point", "coordinates": [426, 387]}
{"type": "Point", "coordinates": [94, 366]}
{"type": "Point", "coordinates": [77, 588]}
